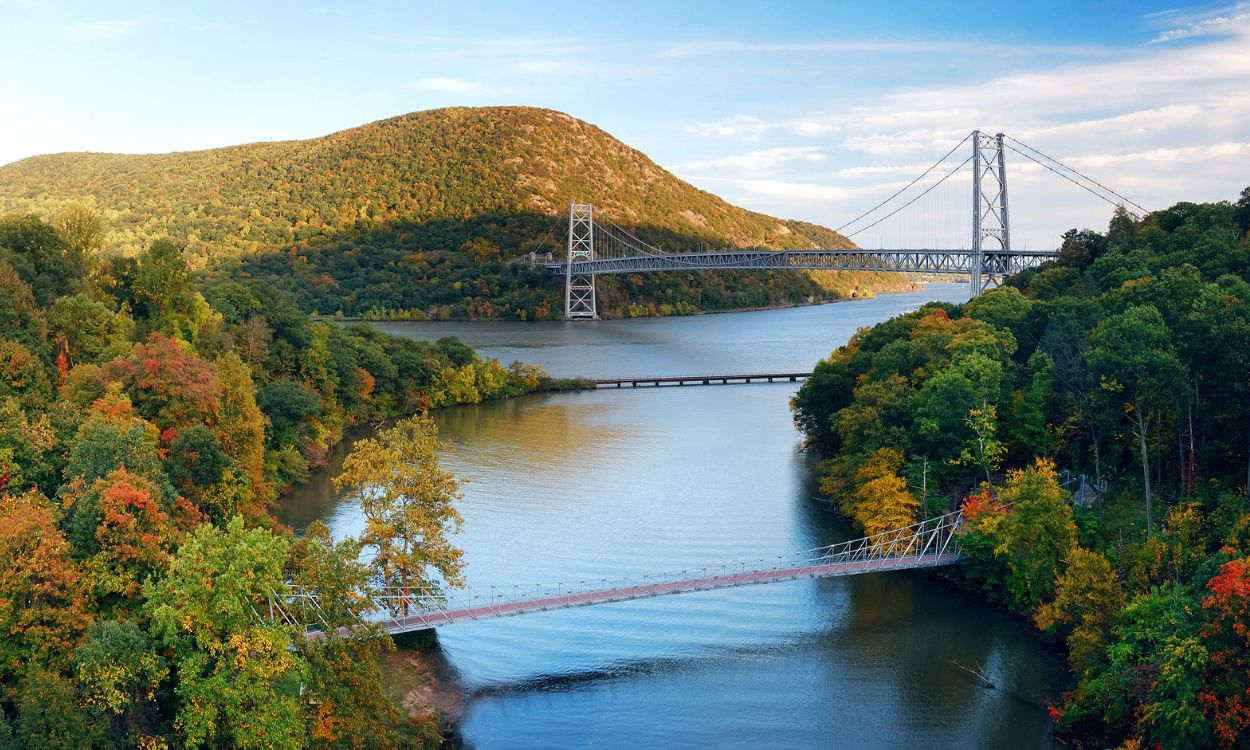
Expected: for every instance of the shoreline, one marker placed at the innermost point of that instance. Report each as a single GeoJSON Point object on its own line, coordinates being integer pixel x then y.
{"type": "Point", "coordinates": [916, 287]}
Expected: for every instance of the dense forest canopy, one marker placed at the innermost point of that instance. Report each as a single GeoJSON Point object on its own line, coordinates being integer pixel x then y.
{"type": "Point", "coordinates": [146, 427]}
{"type": "Point", "coordinates": [423, 214]}
{"type": "Point", "coordinates": [1126, 360]}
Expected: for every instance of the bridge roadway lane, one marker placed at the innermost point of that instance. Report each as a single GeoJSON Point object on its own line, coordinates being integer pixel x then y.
{"type": "Point", "coordinates": [642, 591]}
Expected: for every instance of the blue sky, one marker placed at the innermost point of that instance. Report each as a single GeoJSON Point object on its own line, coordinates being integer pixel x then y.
{"type": "Point", "coordinates": [805, 110]}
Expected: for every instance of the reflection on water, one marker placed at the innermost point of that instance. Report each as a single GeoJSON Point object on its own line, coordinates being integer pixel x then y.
{"type": "Point", "coordinates": [581, 486]}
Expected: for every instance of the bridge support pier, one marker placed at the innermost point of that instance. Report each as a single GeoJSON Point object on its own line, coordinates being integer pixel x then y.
{"type": "Point", "coordinates": [579, 289]}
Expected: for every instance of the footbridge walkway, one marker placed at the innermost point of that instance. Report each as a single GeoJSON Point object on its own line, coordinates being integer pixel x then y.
{"type": "Point", "coordinates": [926, 544]}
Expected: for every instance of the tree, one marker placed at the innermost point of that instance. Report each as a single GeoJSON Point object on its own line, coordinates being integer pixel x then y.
{"type": "Point", "coordinates": [1088, 597]}
{"type": "Point", "coordinates": [407, 502]}
{"type": "Point", "coordinates": [48, 714]}
{"type": "Point", "coordinates": [122, 675]}
{"type": "Point", "coordinates": [1226, 696]}
{"type": "Point", "coordinates": [133, 536]}
{"type": "Point", "coordinates": [21, 319]}
{"type": "Point", "coordinates": [43, 608]}
{"type": "Point", "coordinates": [1038, 534]}
{"type": "Point", "coordinates": [288, 405]}
{"type": "Point", "coordinates": [81, 229]}
{"type": "Point", "coordinates": [1133, 357]}
{"type": "Point", "coordinates": [111, 437]}
{"type": "Point", "coordinates": [230, 665]}
{"type": "Point", "coordinates": [168, 383]}
{"type": "Point", "coordinates": [882, 500]}
{"type": "Point", "coordinates": [241, 428]}
{"type": "Point", "coordinates": [984, 451]}
{"type": "Point", "coordinates": [1241, 212]}
{"type": "Point", "coordinates": [41, 256]}
{"type": "Point", "coordinates": [23, 376]}
{"type": "Point", "coordinates": [26, 443]}
{"type": "Point", "coordinates": [346, 706]}
{"type": "Point", "coordinates": [163, 294]}
{"type": "Point", "coordinates": [85, 329]}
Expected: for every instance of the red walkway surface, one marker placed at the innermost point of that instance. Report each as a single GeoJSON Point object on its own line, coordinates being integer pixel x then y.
{"type": "Point", "coordinates": [660, 588]}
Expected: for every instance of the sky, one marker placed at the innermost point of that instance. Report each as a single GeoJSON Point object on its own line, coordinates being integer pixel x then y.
{"type": "Point", "coordinates": [804, 110]}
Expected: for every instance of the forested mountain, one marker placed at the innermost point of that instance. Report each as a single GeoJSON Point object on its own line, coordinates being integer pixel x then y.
{"type": "Point", "coordinates": [1128, 360]}
{"type": "Point", "coordinates": [420, 212]}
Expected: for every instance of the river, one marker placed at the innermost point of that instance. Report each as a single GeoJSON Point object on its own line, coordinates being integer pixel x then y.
{"type": "Point", "coordinates": [588, 485]}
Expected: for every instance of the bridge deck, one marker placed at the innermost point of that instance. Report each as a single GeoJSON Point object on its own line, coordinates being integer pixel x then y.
{"type": "Point", "coordinates": [488, 610]}
{"type": "Point", "coordinates": [658, 381]}
{"type": "Point", "coordinates": [943, 261]}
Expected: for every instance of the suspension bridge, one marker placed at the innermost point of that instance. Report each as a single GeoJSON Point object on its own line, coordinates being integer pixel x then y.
{"type": "Point", "coordinates": [395, 610]}
{"type": "Point", "coordinates": [985, 255]}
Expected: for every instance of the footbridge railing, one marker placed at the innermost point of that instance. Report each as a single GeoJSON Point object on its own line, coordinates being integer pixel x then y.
{"type": "Point", "coordinates": [924, 544]}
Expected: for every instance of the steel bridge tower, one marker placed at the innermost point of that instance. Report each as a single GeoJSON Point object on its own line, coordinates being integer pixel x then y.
{"type": "Point", "coordinates": [579, 289]}
{"type": "Point", "coordinates": [989, 212]}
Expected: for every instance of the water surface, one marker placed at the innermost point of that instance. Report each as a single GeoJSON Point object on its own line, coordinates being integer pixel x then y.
{"type": "Point", "coordinates": [582, 486]}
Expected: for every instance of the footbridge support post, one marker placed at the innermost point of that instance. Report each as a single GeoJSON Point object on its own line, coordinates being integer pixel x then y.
{"type": "Point", "coordinates": [579, 288]}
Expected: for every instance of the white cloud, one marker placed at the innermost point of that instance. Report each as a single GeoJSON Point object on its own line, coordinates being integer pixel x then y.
{"type": "Point", "coordinates": [1213, 22]}
{"type": "Point", "coordinates": [897, 46]}
{"type": "Point", "coordinates": [762, 161]}
{"type": "Point", "coordinates": [740, 126]}
{"type": "Point", "coordinates": [104, 29]}
{"type": "Point", "coordinates": [797, 192]}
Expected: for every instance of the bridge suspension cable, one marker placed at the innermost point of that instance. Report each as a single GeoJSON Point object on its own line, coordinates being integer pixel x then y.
{"type": "Point", "coordinates": [908, 185]}
{"type": "Point", "coordinates": [1122, 200]}
{"type": "Point", "coordinates": [926, 191]}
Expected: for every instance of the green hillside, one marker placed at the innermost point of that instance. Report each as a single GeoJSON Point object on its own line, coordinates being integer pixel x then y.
{"type": "Point", "coordinates": [422, 211]}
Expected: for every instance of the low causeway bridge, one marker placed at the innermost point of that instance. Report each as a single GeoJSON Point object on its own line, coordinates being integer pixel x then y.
{"type": "Point", "coordinates": [674, 380]}
{"type": "Point", "coordinates": [926, 544]}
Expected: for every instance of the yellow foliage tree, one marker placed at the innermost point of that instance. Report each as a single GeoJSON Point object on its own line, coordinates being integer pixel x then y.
{"type": "Point", "coordinates": [407, 500]}
{"type": "Point", "coordinates": [883, 501]}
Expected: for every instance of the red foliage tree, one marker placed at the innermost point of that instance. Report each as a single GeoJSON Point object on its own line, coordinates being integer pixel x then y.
{"type": "Point", "coordinates": [1227, 636]}
{"type": "Point", "coordinates": [167, 383]}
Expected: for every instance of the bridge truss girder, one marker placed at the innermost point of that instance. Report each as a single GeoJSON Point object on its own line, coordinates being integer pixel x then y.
{"type": "Point", "coordinates": [993, 264]}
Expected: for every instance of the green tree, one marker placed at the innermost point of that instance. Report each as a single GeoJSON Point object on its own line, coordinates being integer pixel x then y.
{"type": "Point", "coordinates": [41, 257]}
{"type": "Point", "coordinates": [49, 716]}
{"type": "Point", "coordinates": [346, 705]}
{"type": "Point", "coordinates": [82, 231]}
{"type": "Point", "coordinates": [235, 672]}
{"type": "Point", "coordinates": [407, 501]}
{"type": "Point", "coordinates": [1241, 212]}
{"type": "Point", "coordinates": [86, 330]}
{"type": "Point", "coordinates": [111, 437]}
{"type": "Point", "coordinates": [1038, 534]}
{"type": "Point", "coordinates": [163, 294]}
{"type": "Point", "coordinates": [21, 318]}
{"type": "Point", "coordinates": [1133, 357]}
{"type": "Point", "coordinates": [121, 675]}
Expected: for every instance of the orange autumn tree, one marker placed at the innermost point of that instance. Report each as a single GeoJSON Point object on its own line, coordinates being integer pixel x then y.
{"type": "Point", "coordinates": [135, 536]}
{"type": "Point", "coordinates": [43, 608]}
